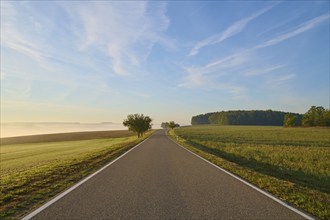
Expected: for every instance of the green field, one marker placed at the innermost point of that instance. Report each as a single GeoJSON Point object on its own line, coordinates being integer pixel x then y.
{"type": "Point", "coordinates": [291, 163]}
{"type": "Point", "coordinates": [32, 173]}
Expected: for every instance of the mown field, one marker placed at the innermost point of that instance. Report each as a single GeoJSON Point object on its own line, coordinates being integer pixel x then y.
{"type": "Point", "coordinates": [32, 173]}
{"type": "Point", "coordinates": [291, 163]}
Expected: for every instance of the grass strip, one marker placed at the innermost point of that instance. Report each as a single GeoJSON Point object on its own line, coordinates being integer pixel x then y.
{"type": "Point", "coordinates": [303, 197]}
{"type": "Point", "coordinates": [26, 186]}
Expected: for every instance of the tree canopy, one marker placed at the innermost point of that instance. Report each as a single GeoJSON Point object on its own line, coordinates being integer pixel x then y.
{"type": "Point", "coordinates": [170, 125]}
{"type": "Point", "coordinates": [164, 125]}
{"type": "Point", "coordinates": [316, 116]}
{"type": "Point", "coordinates": [240, 117]}
{"type": "Point", "coordinates": [138, 123]}
{"type": "Point", "coordinates": [290, 120]}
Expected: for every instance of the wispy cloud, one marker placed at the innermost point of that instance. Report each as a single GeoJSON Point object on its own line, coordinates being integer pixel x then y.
{"type": "Point", "coordinates": [279, 25]}
{"type": "Point", "coordinates": [217, 74]}
{"type": "Point", "coordinates": [231, 31]}
{"type": "Point", "coordinates": [221, 73]}
{"type": "Point", "coordinates": [195, 79]}
{"type": "Point", "coordinates": [263, 71]}
{"type": "Point", "coordinates": [124, 31]}
{"type": "Point", "coordinates": [22, 35]}
{"type": "Point", "coordinates": [236, 91]}
{"type": "Point", "coordinates": [298, 30]}
{"type": "Point", "coordinates": [233, 60]}
{"type": "Point", "coordinates": [20, 89]}
{"type": "Point", "coordinates": [278, 80]}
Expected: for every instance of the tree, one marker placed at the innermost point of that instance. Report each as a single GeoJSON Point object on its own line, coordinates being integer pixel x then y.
{"type": "Point", "coordinates": [290, 120]}
{"type": "Point", "coordinates": [164, 125]}
{"type": "Point", "coordinates": [172, 125]}
{"type": "Point", "coordinates": [138, 123]}
{"type": "Point", "coordinates": [316, 116]}
{"type": "Point", "coordinates": [326, 117]}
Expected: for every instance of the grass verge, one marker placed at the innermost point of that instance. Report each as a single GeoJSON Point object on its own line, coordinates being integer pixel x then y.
{"type": "Point", "coordinates": [291, 164]}
{"type": "Point", "coordinates": [33, 173]}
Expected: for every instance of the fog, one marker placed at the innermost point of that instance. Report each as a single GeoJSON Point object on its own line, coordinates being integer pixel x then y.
{"type": "Point", "coordinates": [22, 129]}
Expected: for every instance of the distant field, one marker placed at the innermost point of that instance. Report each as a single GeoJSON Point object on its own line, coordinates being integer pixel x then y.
{"type": "Point", "coordinates": [31, 173]}
{"type": "Point", "coordinates": [292, 163]}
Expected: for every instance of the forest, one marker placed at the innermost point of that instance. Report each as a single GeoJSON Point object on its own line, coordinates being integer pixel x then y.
{"type": "Point", "coordinates": [315, 116]}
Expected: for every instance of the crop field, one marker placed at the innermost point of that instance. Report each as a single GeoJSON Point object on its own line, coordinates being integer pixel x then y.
{"type": "Point", "coordinates": [291, 163]}
{"type": "Point", "coordinates": [32, 173]}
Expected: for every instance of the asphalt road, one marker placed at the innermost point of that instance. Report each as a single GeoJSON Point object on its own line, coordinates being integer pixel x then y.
{"type": "Point", "coordinates": [160, 180]}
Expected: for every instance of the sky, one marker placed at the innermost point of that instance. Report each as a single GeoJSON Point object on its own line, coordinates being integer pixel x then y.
{"type": "Point", "coordinates": [98, 61]}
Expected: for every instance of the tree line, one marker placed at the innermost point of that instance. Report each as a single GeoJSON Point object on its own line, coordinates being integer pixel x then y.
{"type": "Point", "coordinates": [316, 116]}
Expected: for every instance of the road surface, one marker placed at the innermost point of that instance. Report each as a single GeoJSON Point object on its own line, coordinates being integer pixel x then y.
{"type": "Point", "coordinates": [161, 180]}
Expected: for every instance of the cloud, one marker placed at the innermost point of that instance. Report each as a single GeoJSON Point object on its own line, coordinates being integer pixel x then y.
{"type": "Point", "coordinates": [39, 36]}
{"type": "Point", "coordinates": [233, 60]}
{"type": "Point", "coordinates": [20, 33]}
{"type": "Point", "coordinates": [263, 71]}
{"type": "Point", "coordinates": [124, 31]}
{"type": "Point", "coordinates": [278, 25]}
{"type": "Point", "coordinates": [235, 90]}
{"type": "Point", "coordinates": [298, 30]}
{"type": "Point", "coordinates": [231, 31]}
{"type": "Point", "coordinates": [217, 74]}
{"type": "Point", "coordinates": [85, 33]}
{"type": "Point", "coordinates": [195, 79]}
{"type": "Point", "coordinates": [198, 76]}
{"type": "Point", "coordinates": [201, 76]}
{"type": "Point", "coordinates": [20, 89]}
{"type": "Point", "coordinates": [280, 80]}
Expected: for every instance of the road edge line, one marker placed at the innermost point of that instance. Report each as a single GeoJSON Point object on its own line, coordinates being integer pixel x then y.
{"type": "Point", "coordinates": [305, 215]}
{"type": "Point", "coordinates": [61, 195]}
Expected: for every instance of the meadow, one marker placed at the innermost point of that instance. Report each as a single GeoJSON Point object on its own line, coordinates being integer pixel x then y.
{"type": "Point", "coordinates": [291, 163]}
{"type": "Point", "coordinates": [32, 173]}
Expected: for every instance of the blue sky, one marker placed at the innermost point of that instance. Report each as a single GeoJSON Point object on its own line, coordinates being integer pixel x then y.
{"type": "Point", "coordinates": [102, 60]}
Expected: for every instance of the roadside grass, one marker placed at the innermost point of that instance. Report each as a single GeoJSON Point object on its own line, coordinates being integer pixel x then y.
{"type": "Point", "coordinates": [33, 173]}
{"type": "Point", "coordinates": [290, 163]}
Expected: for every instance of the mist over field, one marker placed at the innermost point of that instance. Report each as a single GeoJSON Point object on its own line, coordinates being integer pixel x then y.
{"type": "Point", "coordinates": [32, 128]}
